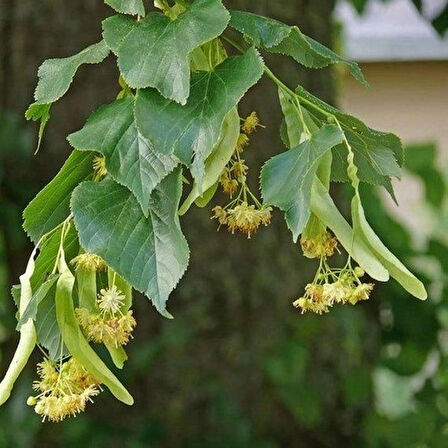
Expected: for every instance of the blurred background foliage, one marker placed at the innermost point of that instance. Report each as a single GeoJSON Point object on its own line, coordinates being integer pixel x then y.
{"type": "Point", "coordinates": [238, 366]}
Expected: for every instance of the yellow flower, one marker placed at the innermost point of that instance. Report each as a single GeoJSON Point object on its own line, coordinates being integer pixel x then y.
{"type": "Point", "coordinates": [314, 291]}
{"type": "Point", "coordinates": [244, 218]}
{"type": "Point", "coordinates": [64, 389]}
{"type": "Point", "coordinates": [361, 292]}
{"type": "Point", "coordinates": [99, 168]}
{"type": "Point", "coordinates": [239, 169]}
{"type": "Point", "coordinates": [242, 142]}
{"type": "Point", "coordinates": [220, 214]}
{"type": "Point", "coordinates": [229, 185]}
{"type": "Point", "coordinates": [335, 292]}
{"type": "Point", "coordinates": [110, 300]}
{"type": "Point", "coordinates": [116, 330]}
{"type": "Point", "coordinates": [320, 246]}
{"type": "Point", "coordinates": [251, 123]}
{"type": "Point", "coordinates": [89, 262]}
{"type": "Point", "coordinates": [306, 304]}
{"type": "Point", "coordinates": [265, 215]}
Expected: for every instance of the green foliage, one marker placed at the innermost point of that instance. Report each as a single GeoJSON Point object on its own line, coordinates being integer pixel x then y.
{"type": "Point", "coordinates": [56, 75]}
{"type": "Point", "coordinates": [130, 157]}
{"type": "Point", "coordinates": [215, 163]}
{"type": "Point", "coordinates": [171, 127]}
{"type": "Point", "coordinates": [150, 253]}
{"type": "Point", "coordinates": [378, 155]}
{"type": "Point", "coordinates": [39, 112]}
{"type": "Point", "coordinates": [286, 179]}
{"type": "Point", "coordinates": [178, 105]}
{"type": "Point", "coordinates": [74, 339]}
{"type": "Point", "coordinates": [277, 37]}
{"type": "Point", "coordinates": [138, 46]}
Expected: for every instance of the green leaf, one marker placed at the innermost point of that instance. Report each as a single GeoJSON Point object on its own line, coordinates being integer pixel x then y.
{"type": "Point", "coordinates": [132, 7]}
{"type": "Point", "coordinates": [52, 205]}
{"type": "Point", "coordinates": [193, 130]}
{"type": "Point", "coordinates": [39, 112]}
{"type": "Point", "coordinates": [15, 292]}
{"type": "Point", "coordinates": [150, 253]}
{"type": "Point", "coordinates": [287, 178]}
{"type": "Point", "coordinates": [74, 339]}
{"type": "Point", "coordinates": [217, 160]}
{"type": "Point", "coordinates": [130, 157]}
{"type": "Point", "coordinates": [56, 75]}
{"type": "Point", "coordinates": [277, 37]}
{"type": "Point", "coordinates": [47, 330]}
{"type": "Point", "coordinates": [31, 309]}
{"type": "Point", "coordinates": [440, 22]}
{"type": "Point", "coordinates": [378, 155]}
{"type": "Point", "coordinates": [397, 270]}
{"type": "Point", "coordinates": [154, 51]}
{"type": "Point", "coordinates": [324, 208]}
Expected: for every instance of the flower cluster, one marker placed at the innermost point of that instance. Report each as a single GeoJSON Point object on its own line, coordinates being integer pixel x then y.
{"type": "Point", "coordinates": [64, 389]}
{"type": "Point", "coordinates": [89, 262]}
{"type": "Point", "coordinates": [334, 286]}
{"type": "Point", "coordinates": [331, 285]}
{"type": "Point", "coordinates": [110, 325]}
{"type": "Point", "coordinates": [243, 217]}
{"type": "Point", "coordinates": [251, 123]}
{"type": "Point", "coordinates": [240, 214]}
{"type": "Point", "coordinates": [115, 331]}
{"type": "Point", "coordinates": [320, 246]}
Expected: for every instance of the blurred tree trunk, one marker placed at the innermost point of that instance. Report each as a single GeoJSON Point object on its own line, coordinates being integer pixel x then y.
{"type": "Point", "coordinates": [234, 303]}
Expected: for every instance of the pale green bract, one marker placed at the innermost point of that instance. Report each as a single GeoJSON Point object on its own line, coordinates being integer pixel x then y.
{"type": "Point", "coordinates": [363, 231]}
{"type": "Point", "coordinates": [132, 7]}
{"type": "Point", "coordinates": [74, 339]}
{"type": "Point", "coordinates": [150, 253]}
{"type": "Point", "coordinates": [130, 158]}
{"type": "Point", "coordinates": [325, 210]}
{"type": "Point", "coordinates": [154, 51]}
{"type": "Point", "coordinates": [395, 267]}
{"type": "Point", "coordinates": [190, 132]}
{"type": "Point", "coordinates": [277, 37]}
{"type": "Point", "coordinates": [27, 339]}
{"type": "Point", "coordinates": [56, 75]}
{"type": "Point", "coordinates": [286, 179]}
